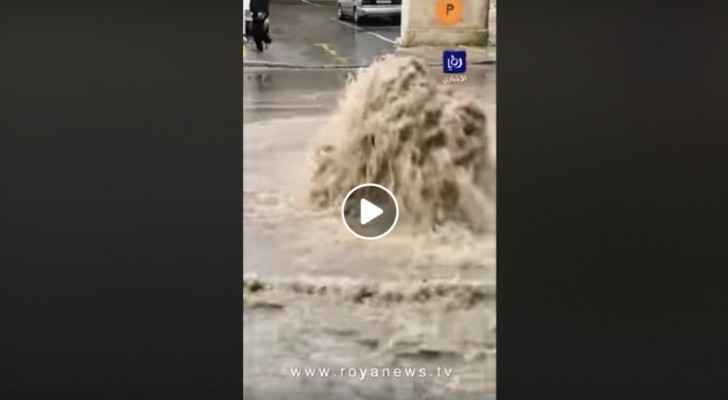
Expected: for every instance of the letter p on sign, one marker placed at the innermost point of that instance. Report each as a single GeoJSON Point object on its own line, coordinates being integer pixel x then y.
{"type": "Point", "coordinates": [448, 12]}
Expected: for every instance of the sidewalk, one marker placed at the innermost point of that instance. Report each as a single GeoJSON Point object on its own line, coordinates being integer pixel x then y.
{"type": "Point", "coordinates": [433, 54]}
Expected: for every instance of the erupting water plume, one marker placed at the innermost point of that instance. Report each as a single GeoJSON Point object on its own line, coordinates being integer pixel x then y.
{"type": "Point", "coordinates": [398, 127]}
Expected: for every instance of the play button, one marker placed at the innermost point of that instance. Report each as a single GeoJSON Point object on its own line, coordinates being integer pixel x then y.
{"type": "Point", "coordinates": [369, 211]}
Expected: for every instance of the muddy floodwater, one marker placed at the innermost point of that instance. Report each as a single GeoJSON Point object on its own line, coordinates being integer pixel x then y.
{"type": "Point", "coordinates": [317, 297]}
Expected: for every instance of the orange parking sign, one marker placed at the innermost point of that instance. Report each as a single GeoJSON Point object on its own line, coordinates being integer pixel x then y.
{"type": "Point", "coordinates": [448, 12]}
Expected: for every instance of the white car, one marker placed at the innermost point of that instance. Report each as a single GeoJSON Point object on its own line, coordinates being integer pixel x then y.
{"type": "Point", "coordinates": [359, 9]}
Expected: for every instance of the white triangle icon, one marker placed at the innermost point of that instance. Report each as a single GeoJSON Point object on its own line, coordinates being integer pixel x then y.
{"type": "Point", "coordinates": [368, 211]}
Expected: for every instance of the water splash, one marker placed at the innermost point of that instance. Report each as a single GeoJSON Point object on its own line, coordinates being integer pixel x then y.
{"type": "Point", "coordinates": [399, 127]}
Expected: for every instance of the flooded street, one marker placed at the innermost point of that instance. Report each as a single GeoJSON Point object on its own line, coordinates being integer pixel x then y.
{"type": "Point", "coordinates": [317, 297]}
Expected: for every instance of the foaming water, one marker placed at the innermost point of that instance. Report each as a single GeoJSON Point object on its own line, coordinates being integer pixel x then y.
{"type": "Point", "coordinates": [424, 296]}
{"type": "Point", "coordinates": [399, 127]}
{"type": "Point", "coordinates": [455, 292]}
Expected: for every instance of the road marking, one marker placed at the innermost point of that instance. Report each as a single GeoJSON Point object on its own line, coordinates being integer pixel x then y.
{"type": "Point", "coordinates": [359, 29]}
{"type": "Point", "coordinates": [331, 52]}
{"type": "Point", "coordinates": [326, 48]}
{"type": "Point", "coordinates": [386, 39]}
{"type": "Point", "coordinates": [311, 4]}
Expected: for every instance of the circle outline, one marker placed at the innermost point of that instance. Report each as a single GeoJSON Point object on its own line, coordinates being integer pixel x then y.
{"type": "Point", "coordinates": [396, 211]}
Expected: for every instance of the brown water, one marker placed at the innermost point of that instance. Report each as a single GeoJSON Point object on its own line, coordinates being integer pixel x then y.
{"type": "Point", "coordinates": [399, 127]}
{"type": "Point", "coordinates": [315, 296]}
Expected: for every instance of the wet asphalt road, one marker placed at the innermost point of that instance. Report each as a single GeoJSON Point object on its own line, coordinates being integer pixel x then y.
{"type": "Point", "coordinates": [308, 33]}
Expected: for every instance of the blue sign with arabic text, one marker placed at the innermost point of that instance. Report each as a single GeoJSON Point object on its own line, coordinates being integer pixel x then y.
{"type": "Point", "coordinates": [453, 62]}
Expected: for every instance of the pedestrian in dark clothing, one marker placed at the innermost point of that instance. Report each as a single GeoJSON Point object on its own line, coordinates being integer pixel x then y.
{"type": "Point", "coordinates": [261, 28]}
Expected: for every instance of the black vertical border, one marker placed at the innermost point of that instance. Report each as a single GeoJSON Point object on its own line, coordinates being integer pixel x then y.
{"type": "Point", "coordinates": [612, 201]}
{"type": "Point", "coordinates": [120, 199]}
